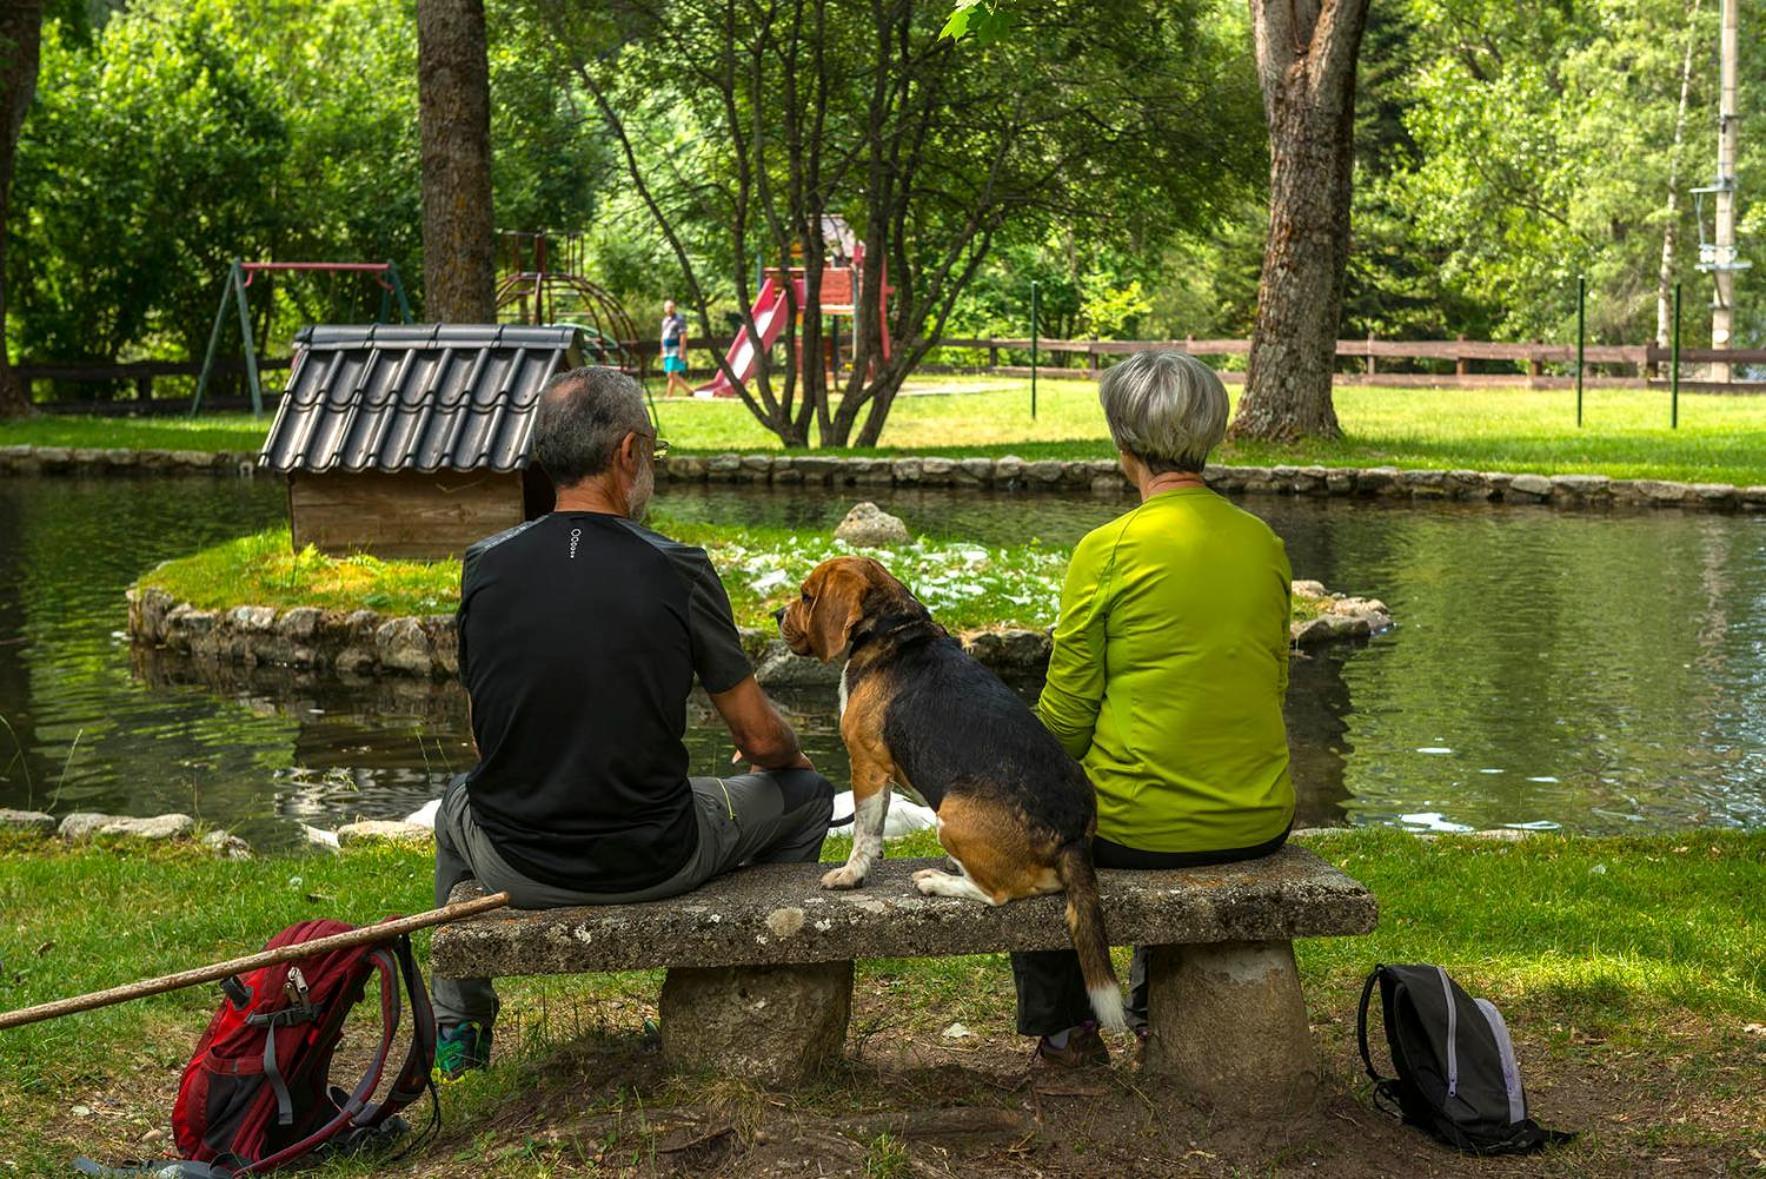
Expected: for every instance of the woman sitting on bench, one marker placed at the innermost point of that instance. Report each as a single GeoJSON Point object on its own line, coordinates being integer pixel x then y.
{"type": "Point", "coordinates": [1166, 680]}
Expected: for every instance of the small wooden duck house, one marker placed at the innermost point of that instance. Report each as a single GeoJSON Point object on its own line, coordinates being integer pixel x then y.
{"type": "Point", "coordinates": [412, 440]}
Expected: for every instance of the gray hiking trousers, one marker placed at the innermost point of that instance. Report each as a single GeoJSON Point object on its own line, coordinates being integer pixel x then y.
{"type": "Point", "coordinates": [777, 816]}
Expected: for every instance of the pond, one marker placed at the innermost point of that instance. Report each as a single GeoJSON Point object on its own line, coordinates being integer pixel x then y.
{"type": "Point", "coordinates": [1596, 672]}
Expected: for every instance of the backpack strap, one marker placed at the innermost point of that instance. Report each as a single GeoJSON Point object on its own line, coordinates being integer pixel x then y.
{"type": "Point", "coordinates": [415, 1075]}
{"type": "Point", "coordinates": [1367, 991]}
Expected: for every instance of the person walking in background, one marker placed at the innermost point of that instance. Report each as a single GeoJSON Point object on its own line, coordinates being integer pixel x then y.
{"type": "Point", "coordinates": [674, 349]}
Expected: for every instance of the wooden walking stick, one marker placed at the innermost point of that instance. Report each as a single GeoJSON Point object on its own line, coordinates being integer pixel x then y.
{"type": "Point", "coordinates": [202, 974]}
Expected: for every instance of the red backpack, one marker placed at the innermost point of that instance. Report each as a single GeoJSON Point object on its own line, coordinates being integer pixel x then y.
{"type": "Point", "coordinates": [258, 1092]}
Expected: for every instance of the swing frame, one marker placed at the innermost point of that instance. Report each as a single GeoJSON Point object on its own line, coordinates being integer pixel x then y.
{"type": "Point", "coordinates": [239, 277]}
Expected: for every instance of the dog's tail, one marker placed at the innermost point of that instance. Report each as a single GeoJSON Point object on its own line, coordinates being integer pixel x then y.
{"type": "Point", "coordinates": [1085, 924]}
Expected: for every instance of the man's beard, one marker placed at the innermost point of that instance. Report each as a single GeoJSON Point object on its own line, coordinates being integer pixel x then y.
{"type": "Point", "coordinates": [637, 501]}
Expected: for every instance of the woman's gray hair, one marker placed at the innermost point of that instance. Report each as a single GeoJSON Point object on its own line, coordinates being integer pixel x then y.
{"type": "Point", "coordinates": [1166, 408]}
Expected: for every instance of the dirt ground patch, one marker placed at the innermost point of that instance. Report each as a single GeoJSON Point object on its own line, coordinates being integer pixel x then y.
{"type": "Point", "coordinates": [919, 1103]}
{"type": "Point", "coordinates": [914, 1101]}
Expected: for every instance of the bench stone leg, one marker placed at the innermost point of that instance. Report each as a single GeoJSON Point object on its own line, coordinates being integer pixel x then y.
{"type": "Point", "coordinates": [1229, 1026]}
{"type": "Point", "coordinates": [775, 1024]}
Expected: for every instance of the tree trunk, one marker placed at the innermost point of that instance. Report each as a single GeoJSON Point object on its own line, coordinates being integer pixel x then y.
{"type": "Point", "coordinates": [1671, 221]}
{"type": "Point", "coordinates": [21, 29]}
{"type": "Point", "coordinates": [1306, 58]}
{"type": "Point", "coordinates": [454, 121]}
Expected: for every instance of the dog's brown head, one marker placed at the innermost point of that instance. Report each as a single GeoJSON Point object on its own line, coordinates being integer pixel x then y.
{"type": "Point", "coordinates": [839, 597]}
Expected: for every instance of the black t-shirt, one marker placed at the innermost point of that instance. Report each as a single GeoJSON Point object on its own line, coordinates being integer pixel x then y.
{"type": "Point", "coordinates": [580, 635]}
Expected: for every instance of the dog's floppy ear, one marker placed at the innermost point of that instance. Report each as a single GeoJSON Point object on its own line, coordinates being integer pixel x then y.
{"type": "Point", "coordinates": [839, 603]}
{"type": "Point", "coordinates": [887, 591]}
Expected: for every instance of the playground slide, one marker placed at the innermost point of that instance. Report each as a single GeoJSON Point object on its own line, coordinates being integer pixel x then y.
{"type": "Point", "coordinates": [770, 315]}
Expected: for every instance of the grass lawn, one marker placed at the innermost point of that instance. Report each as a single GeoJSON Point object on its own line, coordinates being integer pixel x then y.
{"type": "Point", "coordinates": [1632, 971]}
{"type": "Point", "coordinates": [966, 585]}
{"type": "Point", "coordinates": [1721, 439]}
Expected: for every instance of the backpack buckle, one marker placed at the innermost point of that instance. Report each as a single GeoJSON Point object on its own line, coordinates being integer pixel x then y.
{"type": "Point", "coordinates": [238, 994]}
{"type": "Point", "coordinates": [296, 988]}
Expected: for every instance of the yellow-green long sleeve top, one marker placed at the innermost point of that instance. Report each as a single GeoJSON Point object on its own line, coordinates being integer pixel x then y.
{"type": "Point", "coordinates": [1166, 680]}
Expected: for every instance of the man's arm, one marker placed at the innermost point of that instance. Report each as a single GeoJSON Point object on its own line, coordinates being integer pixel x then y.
{"type": "Point", "coordinates": [761, 734]}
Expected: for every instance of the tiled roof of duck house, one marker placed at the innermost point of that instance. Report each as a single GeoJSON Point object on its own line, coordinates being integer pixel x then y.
{"type": "Point", "coordinates": [412, 440]}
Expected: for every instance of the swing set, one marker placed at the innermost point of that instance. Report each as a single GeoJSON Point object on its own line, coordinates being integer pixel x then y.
{"type": "Point", "coordinates": [240, 276]}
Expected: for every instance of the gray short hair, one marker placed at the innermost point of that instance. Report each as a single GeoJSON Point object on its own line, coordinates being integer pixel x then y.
{"type": "Point", "coordinates": [1166, 408]}
{"type": "Point", "coordinates": [583, 416]}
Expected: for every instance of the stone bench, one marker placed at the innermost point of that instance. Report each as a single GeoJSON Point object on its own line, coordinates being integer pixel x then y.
{"type": "Point", "coordinates": [760, 962]}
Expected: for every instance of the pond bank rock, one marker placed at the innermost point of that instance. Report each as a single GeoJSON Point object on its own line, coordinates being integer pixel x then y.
{"type": "Point", "coordinates": [869, 526]}
{"type": "Point", "coordinates": [227, 845]}
{"type": "Point", "coordinates": [370, 831]}
{"type": "Point", "coordinates": [84, 825]}
{"type": "Point", "coordinates": [26, 823]}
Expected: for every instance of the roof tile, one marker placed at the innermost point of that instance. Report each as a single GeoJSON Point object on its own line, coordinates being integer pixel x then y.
{"type": "Point", "coordinates": [419, 397]}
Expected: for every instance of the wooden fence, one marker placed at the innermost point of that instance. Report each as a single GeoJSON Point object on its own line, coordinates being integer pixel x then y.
{"type": "Point", "coordinates": [1370, 361]}
{"type": "Point", "coordinates": [1641, 359]}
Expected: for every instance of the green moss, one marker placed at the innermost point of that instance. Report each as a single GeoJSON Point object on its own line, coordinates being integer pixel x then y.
{"type": "Point", "coordinates": [967, 586]}
{"type": "Point", "coordinates": [264, 570]}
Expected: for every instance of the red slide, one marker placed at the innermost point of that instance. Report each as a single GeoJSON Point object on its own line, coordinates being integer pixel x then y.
{"type": "Point", "coordinates": [770, 316]}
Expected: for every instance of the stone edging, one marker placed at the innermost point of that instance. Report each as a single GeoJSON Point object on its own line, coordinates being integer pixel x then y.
{"type": "Point", "coordinates": [1010, 473]}
{"type": "Point", "coordinates": [83, 827]}
{"type": "Point", "coordinates": [362, 642]}
{"type": "Point", "coordinates": [1102, 476]}
{"type": "Point", "coordinates": [86, 827]}
{"type": "Point", "coordinates": [122, 460]}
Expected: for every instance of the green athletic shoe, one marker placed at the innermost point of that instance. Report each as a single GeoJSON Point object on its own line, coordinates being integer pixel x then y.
{"type": "Point", "coordinates": [460, 1049]}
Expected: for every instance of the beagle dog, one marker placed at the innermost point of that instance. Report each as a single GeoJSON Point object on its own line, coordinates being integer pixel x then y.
{"type": "Point", "coordinates": [1014, 811]}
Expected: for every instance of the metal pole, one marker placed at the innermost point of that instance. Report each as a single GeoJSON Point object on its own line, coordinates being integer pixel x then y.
{"type": "Point", "coordinates": [214, 339]}
{"type": "Point", "coordinates": [1581, 331]}
{"type": "Point", "coordinates": [1035, 331]}
{"type": "Point", "coordinates": [1728, 134]}
{"type": "Point", "coordinates": [251, 349]}
{"type": "Point", "coordinates": [1674, 370]}
{"type": "Point", "coordinates": [398, 289]}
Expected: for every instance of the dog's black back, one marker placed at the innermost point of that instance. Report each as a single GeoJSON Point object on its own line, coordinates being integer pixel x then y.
{"type": "Point", "coordinates": [951, 722]}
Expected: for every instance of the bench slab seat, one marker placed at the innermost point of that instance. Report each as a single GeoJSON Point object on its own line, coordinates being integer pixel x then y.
{"type": "Point", "coordinates": [760, 976]}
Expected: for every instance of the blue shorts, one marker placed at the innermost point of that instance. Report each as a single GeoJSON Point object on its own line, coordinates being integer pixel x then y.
{"type": "Point", "coordinates": [673, 364]}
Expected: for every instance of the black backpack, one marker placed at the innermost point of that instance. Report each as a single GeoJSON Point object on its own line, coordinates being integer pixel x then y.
{"type": "Point", "coordinates": [1457, 1077]}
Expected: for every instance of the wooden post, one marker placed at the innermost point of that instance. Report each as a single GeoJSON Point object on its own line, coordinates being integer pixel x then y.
{"type": "Point", "coordinates": [1371, 367]}
{"type": "Point", "coordinates": [1535, 366]}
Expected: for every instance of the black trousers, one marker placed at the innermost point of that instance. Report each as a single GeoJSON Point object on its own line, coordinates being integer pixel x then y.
{"type": "Point", "coordinates": [1051, 991]}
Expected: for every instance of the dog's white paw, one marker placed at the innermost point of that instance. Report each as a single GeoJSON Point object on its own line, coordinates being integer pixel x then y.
{"type": "Point", "coordinates": [932, 882]}
{"type": "Point", "coordinates": [843, 878]}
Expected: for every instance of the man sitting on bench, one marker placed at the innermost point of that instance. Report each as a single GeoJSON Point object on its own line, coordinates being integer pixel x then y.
{"type": "Point", "coordinates": [581, 633]}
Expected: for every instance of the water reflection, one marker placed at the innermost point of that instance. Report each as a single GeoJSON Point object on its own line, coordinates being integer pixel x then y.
{"type": "Point", "coordinates": [350, 744]}
{"type": "Point", "coordinates": [1601, 672]}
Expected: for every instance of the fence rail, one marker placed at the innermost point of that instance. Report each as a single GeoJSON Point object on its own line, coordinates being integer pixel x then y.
{"type": "Point", "coordinates": [1645, 360]}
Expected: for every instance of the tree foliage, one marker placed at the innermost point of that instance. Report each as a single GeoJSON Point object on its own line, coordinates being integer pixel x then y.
{"type": "Point", "coordinates": [175, 135]}
{"type": "Point", "coordinates": [751, 123]}
{"type": "Point", "coordinates": [1529, 143]}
